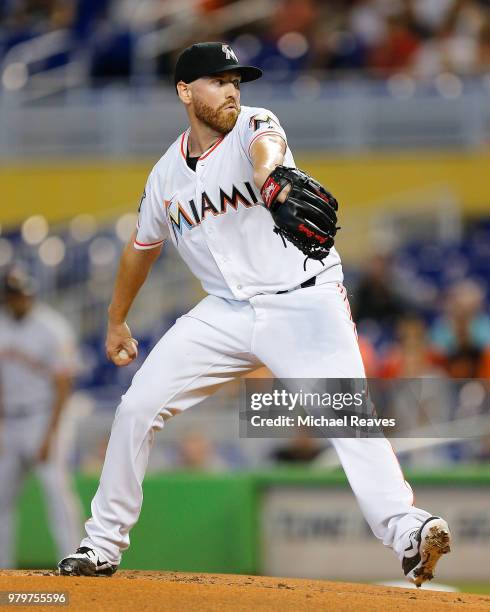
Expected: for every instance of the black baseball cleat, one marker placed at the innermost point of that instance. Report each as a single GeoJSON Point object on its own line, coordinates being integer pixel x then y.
{"type": "Point", "coordinates": [427, 545]}
{"type": "Point", "coordinates": [85, 562]}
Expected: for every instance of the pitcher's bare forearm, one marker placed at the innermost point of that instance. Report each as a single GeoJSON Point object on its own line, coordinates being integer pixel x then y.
{"type": "Point", "coordinates": [267, 152]}
{"type": "Point", "coordinates": [134, 267]}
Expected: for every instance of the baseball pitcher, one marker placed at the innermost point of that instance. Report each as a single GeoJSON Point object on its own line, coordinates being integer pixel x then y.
{"type": "Point", "coordinates": [259, 235]}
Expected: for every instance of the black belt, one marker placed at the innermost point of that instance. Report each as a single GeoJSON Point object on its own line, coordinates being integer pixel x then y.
{"type": "Point", "coordinates": [311, 282]}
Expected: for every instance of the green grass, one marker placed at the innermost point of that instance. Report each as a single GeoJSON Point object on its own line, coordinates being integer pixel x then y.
{"type": "Point", "coordinates": [483, 588]}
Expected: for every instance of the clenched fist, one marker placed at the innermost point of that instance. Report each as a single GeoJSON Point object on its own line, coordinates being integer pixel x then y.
{"type": "Point", "coordinates": [121, 348]}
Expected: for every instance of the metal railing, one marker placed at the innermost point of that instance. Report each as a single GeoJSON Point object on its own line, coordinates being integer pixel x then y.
{"type": "Point", "coordinates": [22, 66]}
{"type": "Point", "coordinates": [359, 116]}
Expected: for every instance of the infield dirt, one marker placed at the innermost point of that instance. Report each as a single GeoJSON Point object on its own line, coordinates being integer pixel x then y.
{"type": "Point", "coordinates": [172, 591]}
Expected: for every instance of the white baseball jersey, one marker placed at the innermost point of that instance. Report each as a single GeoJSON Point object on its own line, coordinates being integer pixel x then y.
{"type": "Point", "coordinates": [215, 218]}
{"type": "Point", "coordinates": [31, 351]}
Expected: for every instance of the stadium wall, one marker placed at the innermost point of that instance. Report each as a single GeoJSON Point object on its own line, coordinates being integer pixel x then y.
{"type": "Point", "coordinates": [61, 190]}
{"type": "Point", "coordinates": [282, 522]}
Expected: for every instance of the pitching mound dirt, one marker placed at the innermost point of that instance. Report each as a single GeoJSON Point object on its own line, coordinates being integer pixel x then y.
{"type": "Point", "coordinates": [139, 590]}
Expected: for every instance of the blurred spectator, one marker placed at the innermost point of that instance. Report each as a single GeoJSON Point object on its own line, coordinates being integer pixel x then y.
{"type": "Point", "coordinates": [367, 22]}
{"type": "Point", "coordinates": [93, 461]}
{"type": "Point", "coordinates": [397, 47]}
{"type": "Point", "coordinates": [336, 46]}
{"type": "Point", "coordinates": [37, 364]}
{"type": "Point", "coordinates": [463, 333]}
{"type": "Point", "coordinates": [454, 45]}
{"type": "Point", "coordinates": [293, 16]}
{"type": "Point", "coordinates": [196, 452]}
{"type": "Point", "coordinates": [302, 448]}
{"type": "Point", "coordinates": [431, 14]}
{"type": "Point", "coordinates": [414, 403]}
{"type": "Point", "coordinates": [39, 15]}
{"type": "Point", "coordinates": [424, 37]}
{"type": "Point", "coordinates": [467, 360]}
{"type": "Point", "coordinates": [376, 297]}
{"type": "Point", "coordinates": [484, 46]}
{"type": "Point", "coordinates": [369, 356]}
{"type": "Point", "coordinates": [412, 355]}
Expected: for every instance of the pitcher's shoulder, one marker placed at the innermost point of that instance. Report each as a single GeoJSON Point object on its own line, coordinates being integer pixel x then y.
{"type": "Point", "coordinates": [248, 113]}
{"type": "Point", "coordinates": [170, 156]}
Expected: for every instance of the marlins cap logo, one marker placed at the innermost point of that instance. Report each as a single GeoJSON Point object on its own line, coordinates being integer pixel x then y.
{"type": "Point", "coordinates": [228, 51]}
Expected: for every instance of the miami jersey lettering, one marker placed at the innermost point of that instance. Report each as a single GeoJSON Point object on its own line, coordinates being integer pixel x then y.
{"type": "Point", "coordinates": [188, 216]}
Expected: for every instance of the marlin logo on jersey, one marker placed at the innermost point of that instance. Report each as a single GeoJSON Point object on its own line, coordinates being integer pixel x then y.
{"type": "Point", "coordinates": [177, 217]}
{"type": "Point", "coordinates": [260, 119]}
{"type": "Point", "coordinates": [182, 217]}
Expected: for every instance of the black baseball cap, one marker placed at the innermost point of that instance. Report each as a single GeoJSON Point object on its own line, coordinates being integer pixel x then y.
{"type": "Point", "coordinates": [203, 59]}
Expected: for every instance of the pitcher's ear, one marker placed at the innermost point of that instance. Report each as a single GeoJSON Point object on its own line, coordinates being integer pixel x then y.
{"type": "Point", "coordinates": [184, 92]}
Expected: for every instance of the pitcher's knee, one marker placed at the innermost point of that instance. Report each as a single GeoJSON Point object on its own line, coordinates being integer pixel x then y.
{"type": "Point", "coordinates": [144, 411]}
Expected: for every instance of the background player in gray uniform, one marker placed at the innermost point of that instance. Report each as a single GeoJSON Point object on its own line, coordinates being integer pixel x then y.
{"type": "Point", "coordinates": [37, 364]}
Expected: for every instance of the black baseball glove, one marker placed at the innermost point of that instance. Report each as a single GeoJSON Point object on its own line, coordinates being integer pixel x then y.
{"type": "Point", "coordinates": [308, 216]}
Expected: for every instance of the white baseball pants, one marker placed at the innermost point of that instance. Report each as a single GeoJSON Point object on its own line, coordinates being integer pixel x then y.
{"type": "Point", "coordinates": [306, 333]}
